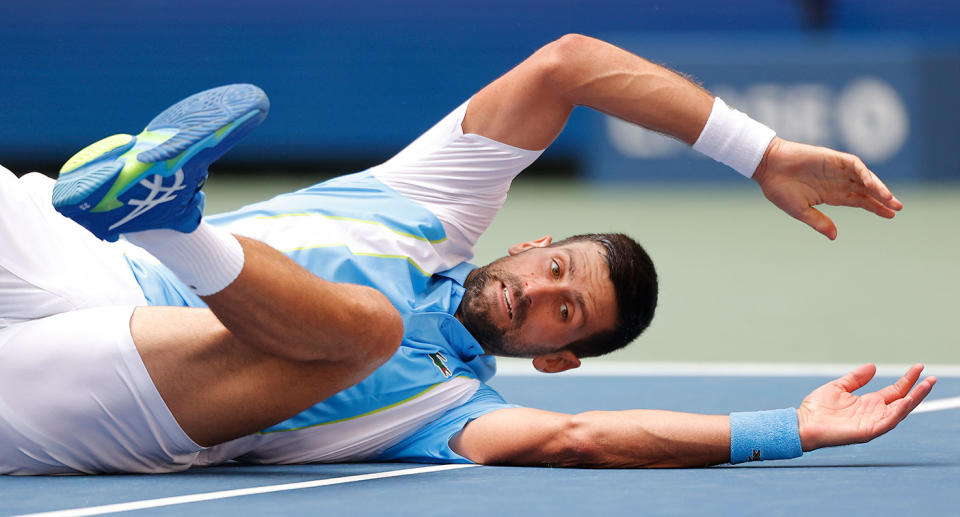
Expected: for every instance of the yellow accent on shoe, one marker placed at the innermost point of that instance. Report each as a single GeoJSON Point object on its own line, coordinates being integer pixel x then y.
{"type": "Point", "coordinates": [220, 132]}
{"type": "Point", "coordinates": [94, 150]}
{"type": "Point", "coordinates": [132, 169]}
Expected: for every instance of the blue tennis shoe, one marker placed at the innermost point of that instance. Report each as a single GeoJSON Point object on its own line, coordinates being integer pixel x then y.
{"type": "Point", "coordinates": [127, 183]}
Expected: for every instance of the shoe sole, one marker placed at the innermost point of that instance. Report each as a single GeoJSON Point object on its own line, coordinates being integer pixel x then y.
{"type": "Point", "coordinates": [188, 136]}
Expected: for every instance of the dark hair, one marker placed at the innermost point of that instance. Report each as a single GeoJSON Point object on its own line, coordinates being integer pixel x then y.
{"type": "Point", "coordinates": [635, 285]}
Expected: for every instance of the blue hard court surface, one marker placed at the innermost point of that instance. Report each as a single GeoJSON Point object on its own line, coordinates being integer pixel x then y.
{"type": "Point", "coordinates": [913, 470]}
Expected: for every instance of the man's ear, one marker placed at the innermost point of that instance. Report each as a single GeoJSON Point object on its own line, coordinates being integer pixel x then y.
{"type": "Point", "coordinates": [556, 362]}
{"type": "Point", "coordinates": [542, 242]}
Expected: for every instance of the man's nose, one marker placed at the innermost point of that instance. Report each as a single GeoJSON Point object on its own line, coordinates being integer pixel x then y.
{"type": "Point", "coordinates": [536, 290]}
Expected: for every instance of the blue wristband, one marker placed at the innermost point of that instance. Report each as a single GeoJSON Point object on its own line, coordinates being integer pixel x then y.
{"type": "Point", "coordinates": [764, 435]}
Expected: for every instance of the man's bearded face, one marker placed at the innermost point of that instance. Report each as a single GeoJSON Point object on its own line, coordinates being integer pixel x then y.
{"type": "Point", "coordinates": [481, 302]}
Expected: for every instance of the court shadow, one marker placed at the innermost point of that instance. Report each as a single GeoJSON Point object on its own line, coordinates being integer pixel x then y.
{"type": "Point", "coordinates": [851, 466]}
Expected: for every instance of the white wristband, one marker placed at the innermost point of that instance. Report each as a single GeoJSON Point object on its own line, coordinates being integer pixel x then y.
{"type": "Point", "coordinates": [207, 259]}
{"type": "Point", "coordinates": [734, 139]}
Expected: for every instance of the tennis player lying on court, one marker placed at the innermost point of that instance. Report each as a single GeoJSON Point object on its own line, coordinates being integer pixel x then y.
{"type": "Point", "coordinates": [342, 322]}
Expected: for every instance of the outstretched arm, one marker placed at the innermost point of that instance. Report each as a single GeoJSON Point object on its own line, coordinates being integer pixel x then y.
{"type": "Point", "coordinates": [829, 416]}
{"type": "Point", "coordinates": [529, 105]}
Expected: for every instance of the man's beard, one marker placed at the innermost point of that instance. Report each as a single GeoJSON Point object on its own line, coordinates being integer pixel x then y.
{"type": "Point", "coordinates": [476, 312]}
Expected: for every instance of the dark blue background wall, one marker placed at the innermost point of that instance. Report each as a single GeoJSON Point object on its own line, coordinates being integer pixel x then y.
{"type": "Point", "coordinates": [889, 99]}
{"type": "Point", "coordinates": [356, 81]}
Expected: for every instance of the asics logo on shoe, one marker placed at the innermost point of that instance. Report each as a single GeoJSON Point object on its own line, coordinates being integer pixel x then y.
{"type": "Point", "coordinates": [159, 194]}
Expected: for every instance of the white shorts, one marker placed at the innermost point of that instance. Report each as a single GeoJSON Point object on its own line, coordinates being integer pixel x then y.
{"type": "Point", "coordinates": [50, 264]}
{"type": "Point", "coordinates": [74, 394]}
{"type": "Point", "coordinates": [75, 398]}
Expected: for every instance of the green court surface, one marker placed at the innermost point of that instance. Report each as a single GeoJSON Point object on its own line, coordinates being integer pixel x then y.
{"type": "Point", "coordinates": [740, 281]}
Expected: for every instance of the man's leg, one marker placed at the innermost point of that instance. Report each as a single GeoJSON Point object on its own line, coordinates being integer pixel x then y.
{"type": "Point", "coordinates": [275, 339]}
{"type": "Point", "coordinates": [118, 389]}
{"type": "Point", "coordinates": [274, 342]}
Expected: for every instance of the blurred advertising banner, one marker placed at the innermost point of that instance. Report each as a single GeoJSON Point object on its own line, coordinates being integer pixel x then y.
{"type": "Point", "coordinates": [886, 100]}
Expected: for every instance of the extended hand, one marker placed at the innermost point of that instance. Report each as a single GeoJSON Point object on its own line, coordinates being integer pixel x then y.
{"type": "Point", "coordinates": [832, 415]}
{"type": "Point", "coordinates": [796, 177]}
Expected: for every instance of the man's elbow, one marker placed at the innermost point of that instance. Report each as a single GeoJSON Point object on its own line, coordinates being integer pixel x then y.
{"type": "Point", "coordinates": [563, 62]}
{"type": "Point", "coordinates": [581, 443]}
{"type": "Point", "coordinates": [575, 443]}
{"type": "Point", "coordinates": [572, 43]}
{"type": "Point", "coordinates": [590, 440]}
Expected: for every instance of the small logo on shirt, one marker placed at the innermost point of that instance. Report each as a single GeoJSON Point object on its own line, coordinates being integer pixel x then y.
{"type": "Point", "coordinates": [756, 456]}
{"type": "Point", "coordinates": [441, 363]}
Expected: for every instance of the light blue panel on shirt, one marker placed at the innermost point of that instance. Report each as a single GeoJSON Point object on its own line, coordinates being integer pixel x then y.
{"type": "Point", "coordinates": [430, 444]}
{"type": "Point", "coordinates": [357, 196]}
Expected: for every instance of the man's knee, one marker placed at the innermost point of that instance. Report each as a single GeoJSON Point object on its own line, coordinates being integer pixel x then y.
{"type": "Point", "coordinates": [373, 336]}
{"type": "Point", "coordinates": [382, 334]}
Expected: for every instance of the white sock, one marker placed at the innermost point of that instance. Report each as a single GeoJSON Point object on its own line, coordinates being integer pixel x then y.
{"type": "Point", "coordinates": [207, 259]}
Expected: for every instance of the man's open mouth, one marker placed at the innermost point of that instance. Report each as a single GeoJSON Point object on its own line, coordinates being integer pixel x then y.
{"type": "Point", "coordinates": [506, 300]}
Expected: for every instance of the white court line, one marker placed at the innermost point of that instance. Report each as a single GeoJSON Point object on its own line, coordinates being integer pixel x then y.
{"type": "Point", "coordinates": [520, 368]}
{"type": "Point", "coordinates": [938, 405]}
{"type": "Point", "coordinates": [193, 498]}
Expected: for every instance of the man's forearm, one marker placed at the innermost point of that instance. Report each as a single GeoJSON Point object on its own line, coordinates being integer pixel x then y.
{"type": "Point", "coordinates": [647, 438]}
{"type": "Point", "coordinates": [605, 439]}
{"type": "Point", "coordinates": [529, 105]}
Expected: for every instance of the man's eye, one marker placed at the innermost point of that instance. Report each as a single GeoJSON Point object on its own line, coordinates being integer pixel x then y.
{"type": "Point", "coordinates": [555, 269]}
{"type": "Point", "coordinates": [563, 311]}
